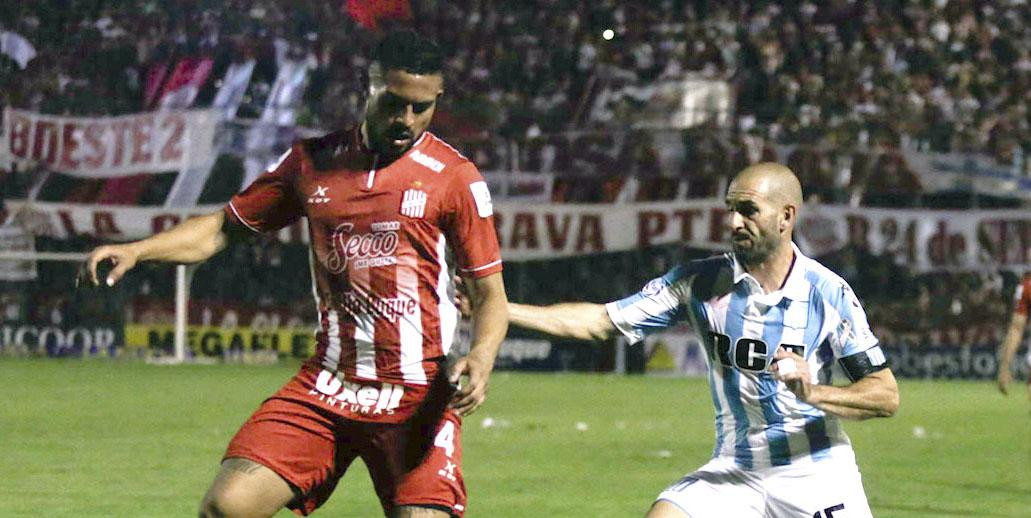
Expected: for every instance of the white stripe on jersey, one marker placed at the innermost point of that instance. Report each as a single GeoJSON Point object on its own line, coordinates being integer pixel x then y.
{"type": "Point", "coordinates": [447, 309]}
{"type": "Point", "coordinates": [364, 329]}
{"type": "Point", "coordinates": [409, 327]}
{"type": "Point", "coordinates": [332, 360]}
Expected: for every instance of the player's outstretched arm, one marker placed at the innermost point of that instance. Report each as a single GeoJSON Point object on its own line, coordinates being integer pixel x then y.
{"type": "Point", "coordinates": [873, 395]}
{"type": "Point", "coordinates": [488, 309]}
{"type": "Point", "coordinates": [1008, 349]}
{"type": "Point", "coordinates": [191, 241]}
{"type": "Point", "coordinates": [580, 320]}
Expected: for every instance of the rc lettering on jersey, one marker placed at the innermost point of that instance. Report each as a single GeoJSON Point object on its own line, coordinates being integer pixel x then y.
{"type": "Point", "coordinates": [356, 398]}
{"type": "Point", "coordinates": [750, 354]}
{"type": "Point", "coordinates": [366, 250]}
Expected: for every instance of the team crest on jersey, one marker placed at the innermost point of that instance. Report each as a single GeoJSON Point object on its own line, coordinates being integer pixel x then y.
{"type": "Point", "coordinates": [653, 287]}
{"type": "Point", "coordinates": [413, 203]}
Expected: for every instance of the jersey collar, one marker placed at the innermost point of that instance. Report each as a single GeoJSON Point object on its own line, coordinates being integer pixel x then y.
{"type": "Point", "coordinates": [796, 287]}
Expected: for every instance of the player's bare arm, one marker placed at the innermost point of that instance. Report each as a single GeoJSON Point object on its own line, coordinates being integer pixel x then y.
{"type": "Point", "coordinates": [874, 395]}
{"type": "Point", "coordinates": [191, 241]}
{"type": "Point", "coordinates": [488, 308]}
{"type": "Point", "coordinates": [580, 320]}
{"type": "Point", "coordinates": [1008, 349]}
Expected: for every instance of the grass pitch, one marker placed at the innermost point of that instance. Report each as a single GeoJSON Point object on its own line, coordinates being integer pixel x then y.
{"type": "Point", "coordinates": [100, 438]}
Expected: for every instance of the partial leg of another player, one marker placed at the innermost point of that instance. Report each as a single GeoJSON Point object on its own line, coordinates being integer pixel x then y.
{"type": "Point", "coordinates": [409, 511]}
{"type": "Point", "coordinates": [244, 488]}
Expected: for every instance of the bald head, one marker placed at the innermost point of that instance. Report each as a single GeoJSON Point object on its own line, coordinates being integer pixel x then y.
{"type": "Point", "coordinates": [763, 202]}
{"type": "Point", "coordinates": [770, 180]}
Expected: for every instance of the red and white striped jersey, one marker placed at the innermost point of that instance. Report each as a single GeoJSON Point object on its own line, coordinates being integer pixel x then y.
{"type": "Point", "coordinates": [1022, 296]}
{"type": "Point", "coordinates": [381, 243]}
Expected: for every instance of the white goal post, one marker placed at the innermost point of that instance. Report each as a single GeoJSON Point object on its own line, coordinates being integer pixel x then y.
{"type": "Point", "coordinates": [183, 275]}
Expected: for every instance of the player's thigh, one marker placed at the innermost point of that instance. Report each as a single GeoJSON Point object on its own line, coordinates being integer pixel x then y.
{"type": "Point", "coordinates": [408, 511]}
{"type": "Point", "coordinates": [419, 466]}
{"type": "Point", "coordinates": [245, 488]}
{"type": "Point", "coordinates": [826, 489]}
{"type": "Point", "coordinates": [717, 490]}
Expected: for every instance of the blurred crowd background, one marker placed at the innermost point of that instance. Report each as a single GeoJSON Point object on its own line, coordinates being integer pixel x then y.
{"type": "Point", "coordinates": [838, 90]}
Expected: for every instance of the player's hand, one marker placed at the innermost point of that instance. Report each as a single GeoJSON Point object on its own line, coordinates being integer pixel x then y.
{"type": "Point", "coordinates": [798, 379]}
{"type": "Point", "coordinates": [473, 392]}
{"type": "Point", "coordinates": [1004, 379]}
{"type": "Point", "coordinates": [121, 257]}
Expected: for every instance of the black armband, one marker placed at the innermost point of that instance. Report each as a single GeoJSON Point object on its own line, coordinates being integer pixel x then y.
{"type": "Point", "coordinates": [861, 365]}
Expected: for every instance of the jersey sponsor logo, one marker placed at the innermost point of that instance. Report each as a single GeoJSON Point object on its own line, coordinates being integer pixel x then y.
{"type": "Point", "coordinates": [427, 161]}
{"type": "Point", "coordinates": [319, 196]}
{"type": "Point", "coordinates": [413, 203]}
{"type": "Point", "coordinates": [481, 195]}
{"type": "Point", "coordinates": [388, 308]}
{"type": "Point", "coordinates": [357, 398]}
{"type": "Point", "coordinates": [364, 250]}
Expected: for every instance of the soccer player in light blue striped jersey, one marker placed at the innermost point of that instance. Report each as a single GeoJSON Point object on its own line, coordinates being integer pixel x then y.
{"type": "Point", "coordinates": [774, 323]}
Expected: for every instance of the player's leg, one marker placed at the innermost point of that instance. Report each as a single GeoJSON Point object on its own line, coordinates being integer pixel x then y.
{"type": "Point", "coordinates": [245, 488]}
{"type": "Point", "coordinates": [285, 455]}
{"type": "Point", "coordinates": [831, 488]}
{"type": "Point", "coordinates": [416, 466]}
{"type": "Point", "coordinates": [717, 489]}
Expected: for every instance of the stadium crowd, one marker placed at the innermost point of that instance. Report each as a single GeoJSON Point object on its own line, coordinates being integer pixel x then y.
{"type": "Point", "coordinates": [837, 90]}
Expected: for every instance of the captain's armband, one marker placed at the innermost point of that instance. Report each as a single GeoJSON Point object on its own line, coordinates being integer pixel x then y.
{"type": "Point", "coordinates": [861, 365]}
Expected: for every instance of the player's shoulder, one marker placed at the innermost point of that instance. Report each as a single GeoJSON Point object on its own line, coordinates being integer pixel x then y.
{"type": "Point", "coordinates": [439, 156]}
{"type": "Point", "coordinates": [706, 277]}
{"type": "Point", "coordinates": [827, 284]}
{"type": "Point", "coordinates": [322, 150]}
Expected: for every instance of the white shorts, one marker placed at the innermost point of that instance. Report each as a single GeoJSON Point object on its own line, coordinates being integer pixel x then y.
{"type": "Point", "coordinates": [831, 488]}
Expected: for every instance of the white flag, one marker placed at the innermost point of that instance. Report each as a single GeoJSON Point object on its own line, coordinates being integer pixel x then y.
{"type": "Point", "coordinates": [17, 48]}
{"type": "Point", "coordinates": [234, 85]}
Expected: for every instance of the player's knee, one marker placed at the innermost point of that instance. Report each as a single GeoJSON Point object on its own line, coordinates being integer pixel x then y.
{"type": "Point", "coordinates": [415, 511]}
{"type": "Point", "coordinates": [229, 503]}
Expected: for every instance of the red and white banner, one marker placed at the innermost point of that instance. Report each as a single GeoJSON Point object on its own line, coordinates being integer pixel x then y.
{"type": "Point", "coordinates": [924, 240]}
{"type": "Point", "coordinates": [105, 147]}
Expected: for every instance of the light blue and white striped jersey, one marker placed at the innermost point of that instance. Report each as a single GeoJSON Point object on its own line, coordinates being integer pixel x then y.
{"type": "Point", "coordinates": [759, 422]}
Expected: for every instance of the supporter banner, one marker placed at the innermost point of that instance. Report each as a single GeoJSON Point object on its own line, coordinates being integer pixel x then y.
{"type": "Point", "coordinates": [667, 103]}
{"type": "Point", "coordinates": [963, 171]}
{"type": "Point", "coordinates": [924, 240]}
{"type": "Point", "coordinates": [15, 239]}
{"type": "Point", "coordinates": [214, 341]}
{"type": "Point", "coordinates": [948, 362]}
{"type": "Point", "coordinates": [105, 147]}
{"type": "Point", "coordinates": [512, 186]}
{"type": "Point", "coordinates": [59, 341]}
{"type": "Point", "coordinates": [116, 223]}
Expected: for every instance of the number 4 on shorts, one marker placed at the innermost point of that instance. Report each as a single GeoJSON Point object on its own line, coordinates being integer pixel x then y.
{"type": "Point", "coordinates": [828, 512]}
{"type": "Point", "coordinates": [446, 438]}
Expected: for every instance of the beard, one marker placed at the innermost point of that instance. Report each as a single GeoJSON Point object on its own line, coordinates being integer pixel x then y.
{"type": "Point", "coordinates": [757, 248]}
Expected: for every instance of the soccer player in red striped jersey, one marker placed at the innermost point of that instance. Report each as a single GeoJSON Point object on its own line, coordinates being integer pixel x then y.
{"type": "Point", "coordinates": [389, 206]}
{"type": "Point", "coordinates": [1008, 348]}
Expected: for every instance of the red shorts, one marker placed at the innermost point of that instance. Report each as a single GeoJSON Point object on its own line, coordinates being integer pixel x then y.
{"type": "Point", "coordinates": [415, 462]}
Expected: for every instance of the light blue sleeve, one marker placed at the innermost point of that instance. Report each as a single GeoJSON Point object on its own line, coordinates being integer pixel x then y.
{"type": "Point", "coordinates": [657, 306]}
{"type": "Point", "coordinates": [852, 334]}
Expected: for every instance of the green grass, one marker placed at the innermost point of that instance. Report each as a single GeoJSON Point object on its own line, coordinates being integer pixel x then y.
{"type": "Point", "coordinates": [100, 438]}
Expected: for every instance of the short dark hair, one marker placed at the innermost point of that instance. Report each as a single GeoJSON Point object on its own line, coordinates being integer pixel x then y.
{"type": "Point", "coordinates": [405, 49]}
